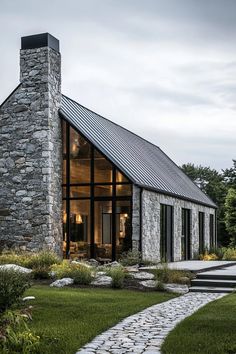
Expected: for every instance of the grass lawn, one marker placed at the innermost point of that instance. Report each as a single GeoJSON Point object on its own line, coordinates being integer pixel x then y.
{"type": "Point", "coordinates": [68, 318]}
{"type": "Point", "coordinates": [211, 330]}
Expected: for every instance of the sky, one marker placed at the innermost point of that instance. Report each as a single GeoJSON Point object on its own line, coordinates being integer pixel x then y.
{"type": "Point", "coordinates": [164, 69]}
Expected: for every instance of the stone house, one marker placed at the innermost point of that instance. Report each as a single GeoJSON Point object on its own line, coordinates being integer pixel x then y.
{"type": "Point", "coordinates": [77, 183]}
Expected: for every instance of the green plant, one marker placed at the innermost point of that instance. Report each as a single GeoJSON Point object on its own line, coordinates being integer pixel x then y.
{"type": "Point", "coordinates": [229, 254]}
{"type": "Point", "coordinates": [13, 258]}
{"type": "Point", "coordinates": [15, 335]}
{"type": "Point", "coordinates": [43, 259]}
{"type": "Point", "coordinates": [132, 257]}
{"type": "Point", "coordinates": [41, 272]}
{"type": "Point", "coordinates": [159, 286]}
{"type": "Point", "coordinates": [167, 275]}
{"type": "Point", "coordinates": [118, 275]}
{"type": "Point", "coordinates": [82, 274]}
{"type": "Point", "coordinates": [12, 286]}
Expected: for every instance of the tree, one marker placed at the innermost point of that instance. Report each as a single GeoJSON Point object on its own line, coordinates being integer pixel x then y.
{"type": "Point", "coordinates": [230, 175]}
{"type": "Point", "coordinates": [230, 214]}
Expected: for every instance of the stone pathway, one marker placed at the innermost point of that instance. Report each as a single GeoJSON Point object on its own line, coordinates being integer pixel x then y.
{"type": "Point", "coordinates": [145, 331]}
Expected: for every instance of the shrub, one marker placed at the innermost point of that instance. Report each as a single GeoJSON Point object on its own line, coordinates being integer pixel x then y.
{"type": "Point", "coordinates": [229, 254]}
{"type": "Point", "coordinates": [167, 275]}
{"type": "Point", "coordinates": [118, 275]}
{"type": "Point", "coordinates": [41, 272]}
{"type": "Point", "coordinates": [15, 336]}
{"type": "Point", "coordinates": [12, 286]}
{"type": "Point", "coordinates": [160, 286]}
{"type": "Point", "coordinates": [43, 259]}
{"type": "Point", "coordinates": [208, 256]}
{"type": "Point", "coordinates": [13, 258]}
{"type": "Point", "coordinates": [81, 274]}
{"type": "Point", "coordinates": [132, 257]}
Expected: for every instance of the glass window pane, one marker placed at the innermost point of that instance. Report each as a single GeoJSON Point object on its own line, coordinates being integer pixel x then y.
{"type": "Point", "coordinates": [64, 151]}
{"type": "Point", "coordinates": [103, 229]}
{"type": "Point", "coordinates": [120, 177]}
{"type": "Point", "coordinates": [123, 189]}
{"type": "Point", "coordinates": [63, 192]}
{"type": "Point", "coordinates": [80, 156]}
{"type": "Point", "coordinates": [102, 168]}
{"type": "Point", "coordinates": [80, 228]}
{"type": "Point", "coordinates": [64, 227]}
{"type": "Point", "coordinates": [103, 191]}
{"type": "Point", "coordinates": [123, 227]}
{"type": "Point", "coordinates": [79, 191]}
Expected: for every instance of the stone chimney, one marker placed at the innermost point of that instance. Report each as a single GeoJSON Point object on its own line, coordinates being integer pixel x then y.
{"type": "Point", "coordinates": [30, 151]}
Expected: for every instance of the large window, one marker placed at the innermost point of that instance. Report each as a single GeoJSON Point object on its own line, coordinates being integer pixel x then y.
{"type": "Point", "coordinates": [98, 199]}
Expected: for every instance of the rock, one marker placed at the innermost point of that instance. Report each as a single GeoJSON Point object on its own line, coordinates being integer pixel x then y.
{"type": "Point", "coordinates": [132, 269]}
{"type": "Point", "coordinates": [93, 262]}
{"type": "Point", "coordinates": [98, 274]}
{"type": "Point", "coordinates": [184, 280]}
{"type": "Point", "coordinates": [176, 288]}
{"type": "Point", "coordinates": [20, 108]}
{"type": "Point", "coordinates": [113, 264]}
{"type": "Point", "coordinates": [60, 283]}
{"type": "Point", "coordinates": [16, 268]}
{"type": "Point", "coordinates": [82, 263]}
{"type": "Point", "coordinates": [28, 298]}
{"type": "Point", "coordinates": [148, 283]}
{"type": "Point", "coordinates": [143, 276]}
{"type": "Point", "coordinates": [103, 280]}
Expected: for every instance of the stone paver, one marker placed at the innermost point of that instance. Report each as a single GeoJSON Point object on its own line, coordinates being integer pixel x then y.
{"type": "Point", "coordinates": [145, 331]}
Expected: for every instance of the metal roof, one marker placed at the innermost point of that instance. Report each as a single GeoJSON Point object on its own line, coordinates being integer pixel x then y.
{"type": "Point", "coordinates": [144, 163]}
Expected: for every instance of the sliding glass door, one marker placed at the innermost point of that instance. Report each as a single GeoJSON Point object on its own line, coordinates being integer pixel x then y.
{"type": "Point", "coordinates": [166, 233]}
{"type": "Point", "coordinates": [185, 237]}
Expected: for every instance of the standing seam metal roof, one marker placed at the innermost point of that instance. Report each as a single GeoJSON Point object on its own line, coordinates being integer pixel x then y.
{"type": "Point", "coordinates": [143, 162]}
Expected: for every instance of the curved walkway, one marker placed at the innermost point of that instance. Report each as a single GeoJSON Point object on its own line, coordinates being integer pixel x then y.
{"type": "Point", "coordinates": [145, 331]}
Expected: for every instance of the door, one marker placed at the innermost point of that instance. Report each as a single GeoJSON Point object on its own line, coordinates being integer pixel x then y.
{"type": "Point", "coordinates": [186, 236]}
{"type": "Point", "coordinates": [166, 233]}
{"type": "Point", "coordinates": [201, 232]}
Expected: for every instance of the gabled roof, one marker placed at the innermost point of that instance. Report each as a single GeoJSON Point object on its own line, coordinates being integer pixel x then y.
{"type": "Point", "coordinates": [144, 163]}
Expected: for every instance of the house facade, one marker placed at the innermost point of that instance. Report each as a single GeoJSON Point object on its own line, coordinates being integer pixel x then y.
{"type": "Point", "coordinates": [78, 184]}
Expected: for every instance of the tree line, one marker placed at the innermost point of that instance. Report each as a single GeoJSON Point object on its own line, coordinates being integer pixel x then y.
{"type": "Point", "coordinates": [221, 188]}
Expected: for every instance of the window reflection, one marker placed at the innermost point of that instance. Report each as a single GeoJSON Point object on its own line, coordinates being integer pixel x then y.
{"type": "Point", "coordinates": [80, 158]}
{"type": "Point", "coordinates": [102, 168]}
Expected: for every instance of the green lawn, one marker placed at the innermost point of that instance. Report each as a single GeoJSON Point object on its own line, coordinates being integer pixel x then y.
{"type": "Point", "coordinates": [72, 317]}
{"type": "Point", "coordinates": [211, 330]}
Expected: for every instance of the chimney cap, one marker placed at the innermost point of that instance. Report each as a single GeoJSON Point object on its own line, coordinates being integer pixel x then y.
{"type": "Point", "coordinates": [39, 41]}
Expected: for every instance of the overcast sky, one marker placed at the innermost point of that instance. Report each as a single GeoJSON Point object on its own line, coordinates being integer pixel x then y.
{"type": "Point", "coordinates": [165, 69]}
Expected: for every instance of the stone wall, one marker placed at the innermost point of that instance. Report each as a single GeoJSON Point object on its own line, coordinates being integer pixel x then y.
{"type": "Point", "coordinates": [136, 218]}
{"type": "Point", "coordinates": [151, 224]}
{"type": "Point", "coordinates": [30, 156]}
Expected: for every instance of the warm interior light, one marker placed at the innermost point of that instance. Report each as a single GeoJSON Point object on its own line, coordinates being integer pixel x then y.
{"type": "Point", "coordinates": [64, 217]}
{"type": "Point", "coordinates": [125, 215]}
{"type": "Point", "coordinates": [79, 219]}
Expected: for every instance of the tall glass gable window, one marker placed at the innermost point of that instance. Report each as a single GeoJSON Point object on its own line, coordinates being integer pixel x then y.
{"type": "Point", "coordinates": [97, 197]}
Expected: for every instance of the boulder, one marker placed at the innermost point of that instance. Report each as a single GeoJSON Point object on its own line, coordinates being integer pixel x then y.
{"type": "Point", "coordinates": [112, 264]}
{"type": "Point", "coordinates": [60, 283]}
{"type": "Point", "coordinates": [176, 288]}
{"type": "Point", "coordinates": [143, 276]}
{"type": "Point", "coordinates": [148, 283]}
{"type": "Point", "coordinates": [16, 268]}
{"type": "Point", "coordinates": [102, 280]}
{"type": "Point", "coordinates": [132, 269]}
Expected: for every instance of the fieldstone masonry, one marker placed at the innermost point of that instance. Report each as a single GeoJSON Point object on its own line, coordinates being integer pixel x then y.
{"type": "Point", "coordinates": [30, 156]}
{"type": "Point", "coordinates": [151, 224]}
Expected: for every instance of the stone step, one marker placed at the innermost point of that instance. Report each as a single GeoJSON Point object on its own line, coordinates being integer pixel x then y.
{"type": "Point", "coordinates": [225, 283]}
{"type": "Point", "coordinates": [219, 275]}
{"type": "Point", "coordinates": [205, 289]}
